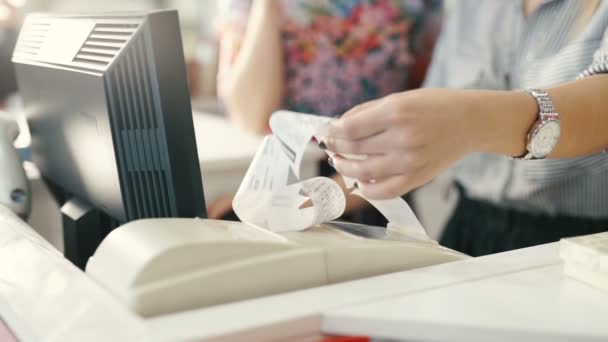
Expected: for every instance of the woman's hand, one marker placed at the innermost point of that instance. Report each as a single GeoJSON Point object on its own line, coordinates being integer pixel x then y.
{"type": "Point", "coordinates": [411, 137]}
{"type": "Point", "coordinates": [220, 207]}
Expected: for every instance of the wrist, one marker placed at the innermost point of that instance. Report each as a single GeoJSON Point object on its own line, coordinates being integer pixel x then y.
{"type": "Point", "coordinates": [478, 128]}
{"type": "Point", "coordinates": [502, 121]}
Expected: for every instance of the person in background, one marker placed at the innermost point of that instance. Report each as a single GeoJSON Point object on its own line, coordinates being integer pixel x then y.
{"type": "Point", "coordinates": [545, 67]}
{"type": "Point", "coordinates": [319, 57]}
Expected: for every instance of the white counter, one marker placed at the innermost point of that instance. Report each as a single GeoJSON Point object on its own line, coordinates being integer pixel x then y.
{"type": "Point", "coordinates": [300, 313]}
{"type": "Point", "coordinates": [520, 294]}
{"type": "Point", "coordinates": [533, 303]}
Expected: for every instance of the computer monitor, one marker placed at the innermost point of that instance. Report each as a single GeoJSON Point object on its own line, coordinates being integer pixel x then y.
{"type": "Point", "coordinates": [107, 102]}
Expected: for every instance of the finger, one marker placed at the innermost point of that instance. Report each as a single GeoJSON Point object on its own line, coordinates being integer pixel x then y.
{"type": "Point", "coordinates": [361, 107]}
{"type": "Point", "coordinates": [365, 123]}
{"type": "Point", "coordinates": [374, 167]}
{"type": "Point", "coordinates": [387, 188]}
{"type": "Point", "coordinates": [219, 208]}
{"type": "Point", "coordinates": [376, 144]}
{"type": "Point", "coordinates": [218, 212]}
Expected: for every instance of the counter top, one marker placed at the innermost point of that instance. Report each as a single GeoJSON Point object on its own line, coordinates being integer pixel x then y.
{"type": "Point", "coordinates": [518, 295]}
{"type": "Point", "coordinates": [535, 303]}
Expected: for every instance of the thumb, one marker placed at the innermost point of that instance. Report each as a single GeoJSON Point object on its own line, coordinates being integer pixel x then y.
{"type": "Point", "coordinates": [361, 107]}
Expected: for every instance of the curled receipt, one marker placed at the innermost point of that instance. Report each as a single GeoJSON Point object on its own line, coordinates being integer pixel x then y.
{"type": "Point", "coordinates": [267, 199]}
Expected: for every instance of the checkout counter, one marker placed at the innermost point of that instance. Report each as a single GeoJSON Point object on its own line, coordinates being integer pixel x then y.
{"type": "Point", "coordinates": [204, 280]}
{"type": "Point", "coordinates": [519, 295]}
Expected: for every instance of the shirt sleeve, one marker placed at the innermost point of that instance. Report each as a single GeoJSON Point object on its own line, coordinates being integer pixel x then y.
{"type": "Point", "coordinates": [436, 73]}
{"type": "Point", "coordinates": [599, 65]}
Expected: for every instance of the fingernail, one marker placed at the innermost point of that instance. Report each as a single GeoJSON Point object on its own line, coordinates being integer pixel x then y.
{"type": "Point", "coordinates": [356, 185]}
{"type": "Point", "coordinates": [330, 162]}
{"type": "Point", "coordinates": [322, 145]}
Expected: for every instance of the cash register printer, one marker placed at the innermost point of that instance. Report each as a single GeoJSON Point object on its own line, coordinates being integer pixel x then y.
{"type": "Point", "coordinates": [107, 103]}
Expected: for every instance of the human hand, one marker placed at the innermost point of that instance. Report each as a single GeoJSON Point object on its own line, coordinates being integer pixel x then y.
{"type": "Point", "coordinates": [220, 207]}
{"type": "Point", "coordinates": [408, 139]}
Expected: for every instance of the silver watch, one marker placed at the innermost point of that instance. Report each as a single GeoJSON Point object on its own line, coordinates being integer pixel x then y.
{"type": "Point", "coordinates": [544, 133]}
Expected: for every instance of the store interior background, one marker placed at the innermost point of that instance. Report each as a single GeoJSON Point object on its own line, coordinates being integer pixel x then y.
{"type": "Point", "coordinates": [198, 21]}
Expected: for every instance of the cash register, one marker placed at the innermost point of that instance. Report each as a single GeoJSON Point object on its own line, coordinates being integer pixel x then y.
{"type": "Point", "coordinates": [107, 103]}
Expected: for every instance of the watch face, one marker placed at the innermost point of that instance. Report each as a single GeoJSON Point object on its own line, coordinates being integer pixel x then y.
{"type": "Point", "coordinates": [545, 139]}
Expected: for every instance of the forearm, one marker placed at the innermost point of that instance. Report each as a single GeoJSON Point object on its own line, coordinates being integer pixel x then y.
{"type": "Point", "coordinates": [411, 137]}
{"type": "Point", "coordinates": [501, 120]}
{"type": "Point", "coordinates": [583, 109]}
{"type": "Point", "coordinates": [254, 86]}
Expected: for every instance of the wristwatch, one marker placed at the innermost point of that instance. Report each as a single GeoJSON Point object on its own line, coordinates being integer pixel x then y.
{"type": "Point", "coordinates": [544, 133]}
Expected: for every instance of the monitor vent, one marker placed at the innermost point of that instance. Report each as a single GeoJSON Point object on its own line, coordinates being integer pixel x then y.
{"type": "Point", "coordinates": [138, 133]}
{"type": "Point", "coordinates": [31, 38]}
{"type": "Point", "coordinates": [105, 41]}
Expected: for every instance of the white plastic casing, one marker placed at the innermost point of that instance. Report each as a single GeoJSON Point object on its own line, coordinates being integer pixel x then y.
{"type": "Point", "coordinates": [159, 266]}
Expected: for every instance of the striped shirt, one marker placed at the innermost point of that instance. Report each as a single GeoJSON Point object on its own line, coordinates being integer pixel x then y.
{"type": "Point", "coordinates": [492, 45]}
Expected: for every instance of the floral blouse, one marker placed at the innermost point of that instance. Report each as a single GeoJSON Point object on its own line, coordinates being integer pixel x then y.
{"type": "Point", "coordinates": [339, 53]}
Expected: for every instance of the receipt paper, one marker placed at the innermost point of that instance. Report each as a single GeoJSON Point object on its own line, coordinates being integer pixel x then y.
{"type": "Point", "coordinates": [266, 198]}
